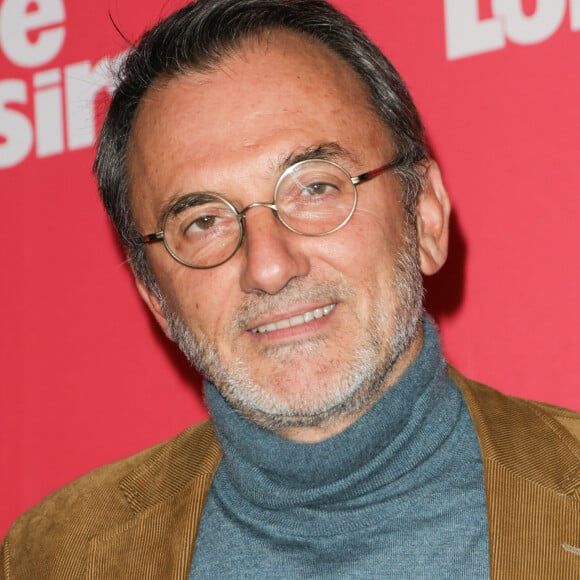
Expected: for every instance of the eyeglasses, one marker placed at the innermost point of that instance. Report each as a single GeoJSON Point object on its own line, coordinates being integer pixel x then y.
{"type": "Point", "coordinates": [314, 198]}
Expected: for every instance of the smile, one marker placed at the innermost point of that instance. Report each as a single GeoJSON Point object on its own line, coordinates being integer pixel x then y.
{"type": "Point", "coordinates": [295, 320]}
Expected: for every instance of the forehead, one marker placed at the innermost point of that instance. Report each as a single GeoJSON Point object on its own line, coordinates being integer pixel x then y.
{"type": "Point", "coordinates": [272, 97]}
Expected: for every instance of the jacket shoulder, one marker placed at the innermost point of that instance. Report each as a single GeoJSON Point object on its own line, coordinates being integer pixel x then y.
{"type": "Point", "coordinates": [537, 441]}
{"type": "Point", "coordinates": [107, 497]}
{"type": "Point", "coordinates": [566, 417]}
{"type": "Point", "coordinates": [489, 397]}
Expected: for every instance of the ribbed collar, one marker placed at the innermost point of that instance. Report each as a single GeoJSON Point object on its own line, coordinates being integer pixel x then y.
{"type": "Point", "coordinates": [398, 434]}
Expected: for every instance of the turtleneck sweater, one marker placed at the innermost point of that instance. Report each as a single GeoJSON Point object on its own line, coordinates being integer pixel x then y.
{"type": "Point", "coordinates": [398, 494]}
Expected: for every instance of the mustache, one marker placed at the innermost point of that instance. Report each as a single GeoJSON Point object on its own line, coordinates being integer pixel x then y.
{"type": "Point", "coordinates": [297, 291]}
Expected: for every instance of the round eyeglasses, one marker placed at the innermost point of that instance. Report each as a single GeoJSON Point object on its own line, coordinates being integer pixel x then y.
{"type": "Point", "coordinates": [315, 197]}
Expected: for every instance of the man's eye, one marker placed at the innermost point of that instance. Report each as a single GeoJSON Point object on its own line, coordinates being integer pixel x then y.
{"type": "Point", "coordinates": [202, 223]}
{"type": "Point", "coordinates": [319, 188]}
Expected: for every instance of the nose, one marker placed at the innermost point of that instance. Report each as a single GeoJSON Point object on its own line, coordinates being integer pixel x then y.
{"type": "Point", "coordinates": [273, 254]}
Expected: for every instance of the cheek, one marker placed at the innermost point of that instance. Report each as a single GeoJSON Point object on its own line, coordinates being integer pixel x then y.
{"type": "Point", "coordinates": [201, 298]}
{"type": "Point", "coordinates": [374, 248]}
{"type": "Point", "coordinates": [384, 220]}
{"type": "Point", "coordinates": [367, 243]}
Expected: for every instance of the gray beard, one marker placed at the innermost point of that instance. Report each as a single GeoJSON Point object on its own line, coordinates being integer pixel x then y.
{"type": "Point", "coordinates": [364, 376]}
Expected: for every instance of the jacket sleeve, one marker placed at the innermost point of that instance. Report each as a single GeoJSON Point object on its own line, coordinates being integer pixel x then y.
{"type": "Point", "coordinates": [5, 561]}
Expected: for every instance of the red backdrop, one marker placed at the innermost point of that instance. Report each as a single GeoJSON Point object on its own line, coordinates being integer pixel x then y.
{"type": "Point", "coordinates": [86, 376]}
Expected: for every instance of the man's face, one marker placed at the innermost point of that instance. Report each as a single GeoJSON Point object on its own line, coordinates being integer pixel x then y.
{"type": "Point", "coordinates": [232, 131]}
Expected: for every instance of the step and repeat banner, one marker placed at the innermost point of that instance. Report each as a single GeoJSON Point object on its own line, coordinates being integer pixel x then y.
{"type": "Point", "coordinates": [86, 377]}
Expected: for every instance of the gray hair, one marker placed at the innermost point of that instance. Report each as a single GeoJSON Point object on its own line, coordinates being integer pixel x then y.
{"type": "Point", "coordinates": [197, 38]}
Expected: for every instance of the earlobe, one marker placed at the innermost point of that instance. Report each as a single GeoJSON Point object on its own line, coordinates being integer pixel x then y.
{"type": "Point", "coordinates": [433, 210]}
{"type": "Point", "coordinates": [154, 305]}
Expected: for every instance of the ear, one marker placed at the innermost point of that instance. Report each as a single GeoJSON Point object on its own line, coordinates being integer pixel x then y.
{"type": "Point", "coordinates": [433, 209]}
{"type": "Point", "coordinates": [154, 306]}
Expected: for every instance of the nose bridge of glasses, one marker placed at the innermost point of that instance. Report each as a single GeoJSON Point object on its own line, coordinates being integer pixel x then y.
{"type": "Point", "coordinates": [254, 204]}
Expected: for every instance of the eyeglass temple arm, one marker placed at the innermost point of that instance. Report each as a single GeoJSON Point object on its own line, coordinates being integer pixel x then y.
{"type": "Point", "coordinates": [149, 238]}
{"type": "Point", "coordinates": [372, 173]}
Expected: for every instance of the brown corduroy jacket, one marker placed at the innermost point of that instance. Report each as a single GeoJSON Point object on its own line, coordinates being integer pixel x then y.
{"type": "Point", "coordinates": [138, 518]}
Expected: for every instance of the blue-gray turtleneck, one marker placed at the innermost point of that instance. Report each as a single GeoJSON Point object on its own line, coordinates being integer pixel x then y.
{"type": "Point", "coordinates": [399, 494]}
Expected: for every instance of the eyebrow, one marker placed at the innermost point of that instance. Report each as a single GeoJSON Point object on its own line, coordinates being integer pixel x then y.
{"type": "Point", "coordinates": [187, 200]}
{"type": "Point", "coordinates": [331, 151]}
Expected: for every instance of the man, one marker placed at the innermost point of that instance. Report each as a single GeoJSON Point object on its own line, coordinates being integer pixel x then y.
{"type": "Point", "coordinates": [267, 173]}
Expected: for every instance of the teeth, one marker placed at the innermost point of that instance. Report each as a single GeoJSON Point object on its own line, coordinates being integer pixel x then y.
{"type": "Point", "coordinates": [295, 320]}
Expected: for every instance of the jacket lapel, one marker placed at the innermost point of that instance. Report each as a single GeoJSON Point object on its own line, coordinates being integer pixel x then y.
{"type": "Point", "coordinates": [532, 481]}
{"type": "Point", "coordinates": [167, 494]}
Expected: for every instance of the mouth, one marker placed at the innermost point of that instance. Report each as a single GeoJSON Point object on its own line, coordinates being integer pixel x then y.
{"type": "Point", "coordinates": [295, 320]}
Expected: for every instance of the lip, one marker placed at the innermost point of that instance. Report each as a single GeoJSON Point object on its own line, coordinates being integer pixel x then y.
{"type": "Point", "coordinates": [293, 320]}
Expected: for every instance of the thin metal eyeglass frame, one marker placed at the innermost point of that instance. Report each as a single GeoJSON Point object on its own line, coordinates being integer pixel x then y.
{"type": "Point", "coordinates": [241, 214]}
